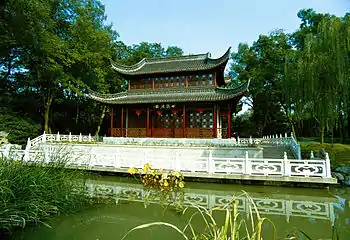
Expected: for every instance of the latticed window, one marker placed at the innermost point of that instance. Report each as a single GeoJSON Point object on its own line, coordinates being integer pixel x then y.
{"type": "Point", "coordinates": [201, 120]}
{"type": "Point", "coordinates": [149, 83]}
{"type": "Point", "coordinates": [177, 81]}
{"type": "Point", "coordinates": [211, 79]}
{"type": "Point", "coordinates": [183, 81]}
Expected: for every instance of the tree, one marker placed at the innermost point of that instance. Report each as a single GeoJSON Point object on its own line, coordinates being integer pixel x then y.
{"type": "Point", "coordinates": [263, 63]}
{"type": "Point", "coordinates": [320, 73]}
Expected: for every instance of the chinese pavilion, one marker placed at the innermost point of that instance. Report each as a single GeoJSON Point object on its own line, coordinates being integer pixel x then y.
{"type": "Point", "coordinates": [174, 97]}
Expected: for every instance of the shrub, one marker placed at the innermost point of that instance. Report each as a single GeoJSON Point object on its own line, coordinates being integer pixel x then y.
{"type": "Point", "coordinates": [30, 193]}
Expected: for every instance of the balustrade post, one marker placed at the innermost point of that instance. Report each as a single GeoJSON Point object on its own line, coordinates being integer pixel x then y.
{"type": "Point", "coordinates": [298, 151]}
{"type": "Point", "coordinates": [58, 137]}
{"type": "Point", "coordinates": [286, 165]}
{"type": "Point", "coordinates": [312, 155]}
{"type": "Point", "coordinates": [80, 138]}
{"type": "Point", "coordinates": [43, 138]}
{"type": "Point", "coordinates": [26, 151]}
{"type": "Point", "coordinates": [327, 167]}
{"type": "Point", "coordinates": [89, 138]}
{"type": "Point", "coordinates": [238, 141]}
{"type": "Point", "coordinates": [285, 135]}
{"type": "Point", "coordinates": [250, 140]}
{"type": "Point", "coordinates": [248, 166]}
{"type": "Point", "coordinates": [211, 163]}
{"type": "Point", "coordinates": [70, 137]}
{"type": "Point", "coordinates": [46, 155]}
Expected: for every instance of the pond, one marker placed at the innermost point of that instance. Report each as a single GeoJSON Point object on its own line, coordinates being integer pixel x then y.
{"type": "Point", "coordinates": [313, 211]}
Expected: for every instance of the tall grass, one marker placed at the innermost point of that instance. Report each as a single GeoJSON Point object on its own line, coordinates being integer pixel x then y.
{"type": "Point", "coordinates": [30, 193]}
{"type": "Point", "coordinates": [234, 227]}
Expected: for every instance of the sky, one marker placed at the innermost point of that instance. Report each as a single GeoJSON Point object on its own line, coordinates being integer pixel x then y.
{"type": "Point", "coordinates": [201, 26]}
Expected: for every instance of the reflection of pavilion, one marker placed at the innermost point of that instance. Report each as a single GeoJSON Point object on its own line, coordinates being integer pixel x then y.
{"type": "Point", "coordinates": [320, 208]}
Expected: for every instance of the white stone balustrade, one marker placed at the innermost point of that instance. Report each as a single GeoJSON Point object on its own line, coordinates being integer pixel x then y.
{"type": "Point", "coordinates": [49, 138]}
{"type": "Point", "coordinates": [175, 159]}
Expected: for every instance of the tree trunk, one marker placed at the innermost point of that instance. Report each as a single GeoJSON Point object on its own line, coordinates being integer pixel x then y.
{"type": "Point", "coordinates": [322, 133]}
{"type": "Point", "coordinates": [77, 116]}
{"type": "Point", "coordinates": [103, 113]}
{"type": "Point", "coordinates": [47, 106]}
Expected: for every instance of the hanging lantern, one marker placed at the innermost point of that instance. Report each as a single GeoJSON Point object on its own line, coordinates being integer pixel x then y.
{"type": "Point", "coordinates": [200, 110]}
{"type": "Point", "coordinates": [138, 112]}
{"type": "Point", "coordinates": [159, 112]}
{"type": "Point", "coordinates": [175, 111]}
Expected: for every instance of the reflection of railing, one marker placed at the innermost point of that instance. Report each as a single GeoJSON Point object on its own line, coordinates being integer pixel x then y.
{"type": "Point", "coordinates": [265, 206]}
{"type": "Point", "coordinates": [193, 160]}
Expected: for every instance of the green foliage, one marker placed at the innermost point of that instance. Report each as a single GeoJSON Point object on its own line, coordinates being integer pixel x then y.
{"type": "Point", "coordinates": [30, 194]}
{"type": "Point", "coordinates": [320, 73]}
{"type": "Point", "coordinates": [338, 153]}
{"type": "Point", "coordinates": [263, 64]}
{"type": "Point", "coordinates": [159, 179]}
{"type": "Point", "coordinates": [18, 127]}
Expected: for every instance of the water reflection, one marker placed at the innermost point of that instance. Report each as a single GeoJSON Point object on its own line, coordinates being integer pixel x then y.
{"type": "Point", "coordinates": [321, 208]}
{"type": "Point", "coordinates": [313, 211]}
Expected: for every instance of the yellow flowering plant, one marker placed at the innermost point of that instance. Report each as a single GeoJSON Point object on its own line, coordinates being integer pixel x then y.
{"type": "Point", "coordinates": [158, 178]}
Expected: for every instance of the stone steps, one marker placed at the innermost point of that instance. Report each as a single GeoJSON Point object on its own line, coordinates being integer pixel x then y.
{"type": "Point", "coordinates": [274, 152]}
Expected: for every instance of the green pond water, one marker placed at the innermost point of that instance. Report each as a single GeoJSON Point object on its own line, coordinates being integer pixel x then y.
{"type": "Point", "coordinates": [313, 211]}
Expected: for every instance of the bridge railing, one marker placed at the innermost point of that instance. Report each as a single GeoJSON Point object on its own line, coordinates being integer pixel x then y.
{"type": "Point", "coordinates": [119, 158]}
{"type": "Point", "coordinates": [280, 140]}
{"type": "Point", "coordinates": [49, 138]}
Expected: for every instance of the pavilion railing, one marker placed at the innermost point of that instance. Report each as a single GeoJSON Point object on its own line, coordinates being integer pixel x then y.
{"type": "Point", "coordinates": [166, 132]}
{"type": "Point", "coordinates": [277, 140]}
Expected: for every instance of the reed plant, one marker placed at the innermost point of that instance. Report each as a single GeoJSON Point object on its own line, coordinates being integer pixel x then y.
{"type": "Point", "coordinates": [31, 193]}
{"type": "Point", "coordinates": [233, 227]}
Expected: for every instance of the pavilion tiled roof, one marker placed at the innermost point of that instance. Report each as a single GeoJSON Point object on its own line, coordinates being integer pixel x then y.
{"type": "Point", "coordinates": [164, 95]}
{"type": "Point", "coordinates": [188, 63]}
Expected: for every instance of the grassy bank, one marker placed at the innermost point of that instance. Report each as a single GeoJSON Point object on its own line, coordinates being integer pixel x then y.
{"type": "Point", "coordinates": [30, 194]}
{"type": "Point", "coordinates": [338, 153]}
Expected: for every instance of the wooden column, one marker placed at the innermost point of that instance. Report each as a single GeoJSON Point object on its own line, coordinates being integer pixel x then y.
{"type": "Point", "coordinates": [184, 121]}
{"type": "Point", "coordinates": [122, 123]}
{"type": "Point", "coordinates": [186, 83]}
{"type": "Point", "coordinates": [229, 122]}
{"type": "Point", "coordinates": [214, 78]}
{"type": "Point", "coordinates": [111, 114]}
{"type": "Point", "coordinates": [147, 123]}
{"type": "Point", "coordinates": [126, 121]}
{"type": "Point", "coordinates": [215, 121]}
{"type": "Point", "coordinates": [128, 84]}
